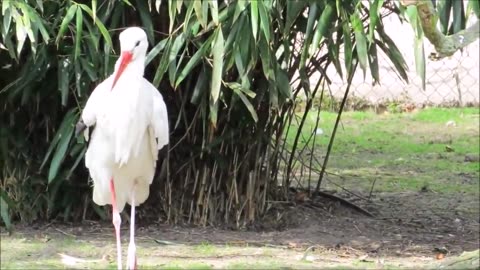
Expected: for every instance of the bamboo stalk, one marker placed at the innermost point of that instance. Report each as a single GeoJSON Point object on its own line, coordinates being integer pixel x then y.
{"type": "Point", "coordinates": [334, 132]}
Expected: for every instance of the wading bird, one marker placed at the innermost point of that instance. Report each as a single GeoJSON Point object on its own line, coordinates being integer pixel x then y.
{"type": "Point", "coordinates": [130, 124]}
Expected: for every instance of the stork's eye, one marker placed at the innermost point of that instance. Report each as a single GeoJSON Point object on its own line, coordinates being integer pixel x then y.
{"type": "Point", "coordinates": [137, 43]}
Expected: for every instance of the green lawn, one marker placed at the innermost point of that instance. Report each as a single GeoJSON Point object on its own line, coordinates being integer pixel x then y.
{"type": "Point", "coordinates": [401, 151]}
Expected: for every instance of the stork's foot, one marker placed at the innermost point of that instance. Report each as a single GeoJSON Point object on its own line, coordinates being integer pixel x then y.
{"type": "Point", "coordinates": [132, 257]}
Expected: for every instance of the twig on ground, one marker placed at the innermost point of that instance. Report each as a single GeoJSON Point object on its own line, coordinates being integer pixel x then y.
{"type": "Point", "coordinates": [345, 202]}
{"type": "Point", "coordinates": [65, 233]}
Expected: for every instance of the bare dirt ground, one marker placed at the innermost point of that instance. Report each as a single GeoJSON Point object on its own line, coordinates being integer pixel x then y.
{"type": "Point", "coordinates": [411, 229]}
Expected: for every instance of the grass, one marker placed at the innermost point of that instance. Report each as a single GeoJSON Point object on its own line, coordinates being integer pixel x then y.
{"type": "Point", "coordinates": [205, 248]}
{"type": "Point", "coordinates": [400, 151]}
{"type": "Point", "coordinates": [34, 253]}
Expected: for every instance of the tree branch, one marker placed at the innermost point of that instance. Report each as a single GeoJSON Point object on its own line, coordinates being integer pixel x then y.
{"type": "Point", "coordinates": [444, 45]}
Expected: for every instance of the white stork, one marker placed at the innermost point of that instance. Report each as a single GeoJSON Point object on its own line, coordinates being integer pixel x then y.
{"type": "Point", "coordinates": [131, 125]}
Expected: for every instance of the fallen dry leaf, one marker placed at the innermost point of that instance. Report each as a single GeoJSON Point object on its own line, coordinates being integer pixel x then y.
{"type": "Point", "coordinates": [292, 245]}
{"type": "Point", "coordinates": [440, 256]}
{"type": "Point", "coordinates": [301, 197]}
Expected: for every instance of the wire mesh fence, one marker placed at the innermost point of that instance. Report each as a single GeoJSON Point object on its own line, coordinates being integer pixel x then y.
{"type": "Point", "coordinates": [452, 81]}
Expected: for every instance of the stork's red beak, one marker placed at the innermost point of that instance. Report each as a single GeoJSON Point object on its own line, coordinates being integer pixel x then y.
{"type": "Point", "coordinates": [125, 59]}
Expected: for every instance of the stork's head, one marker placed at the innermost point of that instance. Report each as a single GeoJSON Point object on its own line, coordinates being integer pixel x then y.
{"type": "Point", "coordinates": [133, 46]}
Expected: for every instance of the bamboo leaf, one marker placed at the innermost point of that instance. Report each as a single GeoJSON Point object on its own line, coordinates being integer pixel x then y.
{"type": "Point", "coordinates": [77, 161]}
{"type": "Point", "coordinates": [374, 11]}
{"type": "Point", "coordinates": [233, 35]}
{"type": "Point", "coordinates": [193, 62]}
{"type": "Point", "coordinates": [323, 25]}
{"type": "Point", "coordinates": [237, 89]}
{"type": "Point", "coordinates": [68, 17]}
{"type": "Point", "coordinates": [7, 18]}
{"type": "Point", "coordinates": [93, 37]}
{"type": "Point", "coordinates": [458, 23]}
{"type": "Point", "coordinates": [172, 11]}
{"type": "Point", "coordinates": [214, 11]}
{"type": "Point", "coordinates": [412, 14]}
{"type": "Point", "coordinates": [94, 10]}
{"type": "Point", "coordinates": [347, 46]}
{"type": "Point", "coordinates": [177, 45]}
{"type": "Point", "coordinates": [188, 15]}
{"type": "Point", "coordinates": [265, 55]}
{"type": "Point", "coordinates": [361, 47]}
{"type": "Point", "coordinates": [373, 62]}
{"type": "Point", "coordinates": [146, 19]}
{"type": "Point", "coordinates": [7, 5]}
{"type": "Point", "coordinates": [420, 60]}
{"type": "Point", "coordinates": [238, 61]}
{"type": "Point", "coordinates": [108, 64]}
{"type": "Point", "coordinates": [89, 69]}
{"type": "Point", "coordinates": [21, 34]}
{"type": "Point", "coordinates": [197, 6]}
{"type": "Point", "coordinates": [179, 6]}
{"type": "Point", "coordinates": [61, 151]}
{"type": "Point", "coordinates": [213, 113]}
{"type": "Point", "coordinates": [419, 50]}
{"type": "Point", "coordinates": [100, 26]}
{"type": "Point", "coordinates": [199, 87]}
{"type": "Point", "coordinates": [475, 7]}
{"type": "Point", "coordinates": [294, 9]}
{"type": "Point", "coordinates": [264, 20]}
{"type": "Point", "coordinates": [10, 47]}
{"type": "Point", "coordinates": [39, 4]}
{"type": "Point", "coordinates": [5, 214]}
{"type": "Point", "coordinates": [158, 3]}
{"type": "Point", "coordinates": [78, 33]}
{"type": "Point", "coordinates": [164, 62]}
{"type": "Point", "coordinates": [128, 3]}
{"type": "Point", "coordinates": [116, 16]}
{"type": "Point", "coordinates": [63, 129]}
{"type": "Point", "coordinates": [239, 8]}
{"type": "Point", "coordinates": [312, 14]}
{"type": "Point", "coordinates": [334, 55]}
{"type": "Point", "coordinates": [254, 17]}
{"type": "Point", "coordinates": [360, 42]}
{"type": "Point", "coordinates": [155, 51]}
{"type": "Point", "coordinates": [249, 58]}
{"type": "Point", "coordinates": [389, 48]}
{"type": "Point", "coordinates": [78, 78]}
{"type": "Point", "coordinates": [217, 50]}
{"type": "Point", "coordinates": [43, 30]}
{"type": "Point", "coordinates": [64, 78]}
{"type": "Point", "coordinates": [172, 72]}
{"type": "Point", "coordinates": [26, 17]}
{"type": "Point", "coordinates": [283, 83]}
{"type": "Point", "coordinates": [444, 9]}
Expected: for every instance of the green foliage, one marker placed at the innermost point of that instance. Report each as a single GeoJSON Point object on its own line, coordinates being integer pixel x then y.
{"type": "Point", "coordinates": [230, 75]}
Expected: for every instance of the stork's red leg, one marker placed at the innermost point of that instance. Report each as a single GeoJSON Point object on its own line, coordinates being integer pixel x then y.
{"type": "Point", "coordinates": [116, 220]}
{"type": "Point", "coordinates": [131, 256]}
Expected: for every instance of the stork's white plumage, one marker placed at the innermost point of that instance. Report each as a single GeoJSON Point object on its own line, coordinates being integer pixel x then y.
{"type": "Point", "coordinates": [130, 126]}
